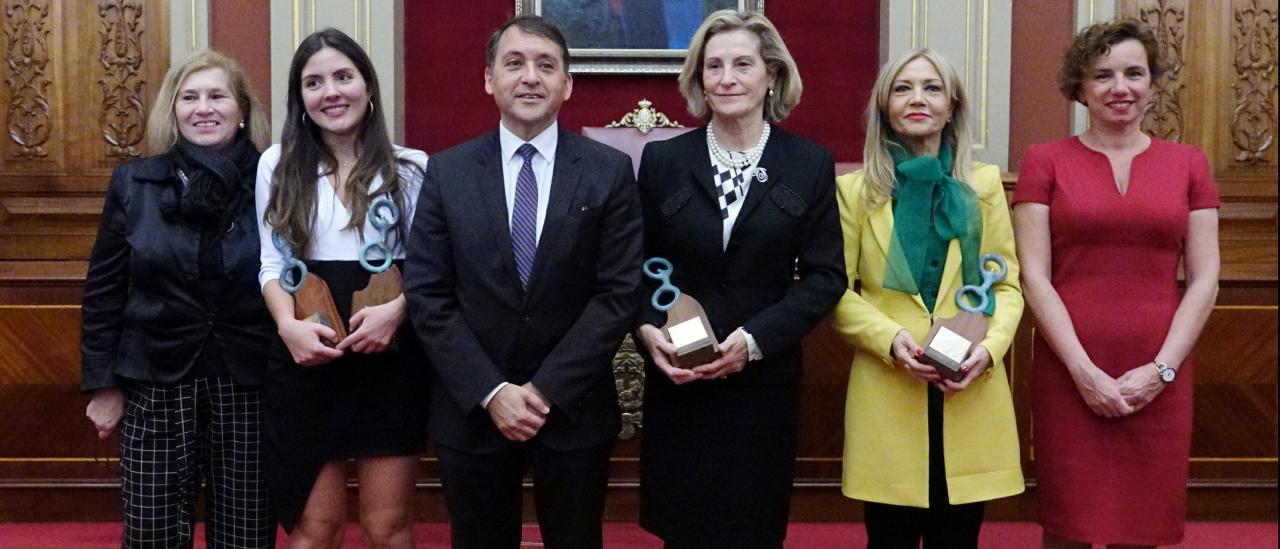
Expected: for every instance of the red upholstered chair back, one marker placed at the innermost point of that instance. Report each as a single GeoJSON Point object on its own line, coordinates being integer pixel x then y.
{"type": "Point", "coordinates": [847, 167]}
{"type": "Point", "coordinates": [630, 133]}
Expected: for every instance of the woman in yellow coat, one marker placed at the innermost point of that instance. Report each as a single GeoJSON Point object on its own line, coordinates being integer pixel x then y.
{"type": "Point", "coordinates": [923, 451]}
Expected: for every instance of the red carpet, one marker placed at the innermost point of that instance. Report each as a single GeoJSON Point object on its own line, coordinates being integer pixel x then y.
{"type": "Point", "coordinates": [997, 535]}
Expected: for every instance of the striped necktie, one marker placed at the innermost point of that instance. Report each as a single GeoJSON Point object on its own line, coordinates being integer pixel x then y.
{"type": "Point", "coordinates": [524, 215]}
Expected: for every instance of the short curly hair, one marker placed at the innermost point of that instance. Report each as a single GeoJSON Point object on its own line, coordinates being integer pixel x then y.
{"type": "Point", "coordinates": [1096, 41]}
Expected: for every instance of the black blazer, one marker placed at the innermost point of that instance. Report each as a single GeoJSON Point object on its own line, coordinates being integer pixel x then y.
{"type": "Point", "coordinates": [144, 315]}
{"type": "Point", "coordinates": [477, 324]}
{"type": "Point", "coordinates": [789, 225]}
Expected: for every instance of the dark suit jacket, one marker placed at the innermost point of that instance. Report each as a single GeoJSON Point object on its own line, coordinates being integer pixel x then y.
{"type": "Point", "coordinates": [789, 225]}
{"type": "Point", "coordinates": [481, 328]}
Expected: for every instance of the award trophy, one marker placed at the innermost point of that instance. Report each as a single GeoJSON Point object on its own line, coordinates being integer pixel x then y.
{"type": "Point", "coordinates": [385, 283]}
{"type": "Point", "coordinates": [687, 326]}
{"type": "Point", "coordinates": [951, 339]}
{"type": "Point", "coordinates": [312, 300]}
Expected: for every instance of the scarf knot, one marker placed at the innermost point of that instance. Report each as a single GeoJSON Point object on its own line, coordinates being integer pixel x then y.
{"type": "Point", "coordinates": [930, 199]}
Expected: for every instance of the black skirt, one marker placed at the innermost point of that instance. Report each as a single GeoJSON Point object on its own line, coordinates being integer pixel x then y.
{"type": "Point", "coordinates": [717, 459]}
{"type": "Point", "coordinates": [361, 405]}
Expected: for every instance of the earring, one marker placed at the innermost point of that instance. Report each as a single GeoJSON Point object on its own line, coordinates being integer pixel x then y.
{"type": "Point", "coordinates": [770, 92]}
{"type": "Point", "coordinates": [370, 106]}
{"type": "Point", "coordinates": [242, 123]}
{"type": "Point", "coordinates": [304, 118]}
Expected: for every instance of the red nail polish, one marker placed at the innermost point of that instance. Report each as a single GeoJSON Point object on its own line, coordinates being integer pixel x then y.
{"type": "Point", "coordinates": [919, 352]}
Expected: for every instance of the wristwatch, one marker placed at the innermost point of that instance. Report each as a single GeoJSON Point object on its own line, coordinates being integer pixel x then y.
{"type": "Point", "coordinates": [1167, 374]}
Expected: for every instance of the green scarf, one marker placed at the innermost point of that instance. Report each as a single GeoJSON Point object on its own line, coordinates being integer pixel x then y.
{"type": "Point", "coordinates": [952, 212]}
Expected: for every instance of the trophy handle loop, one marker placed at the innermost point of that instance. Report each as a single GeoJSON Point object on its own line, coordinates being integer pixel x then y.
{"type": "Point", "coordinates": [383, 215]}
{"type": "Point", "coordinates": [660, 269]}
{"type": "Point", "coordinates": [289, 283]}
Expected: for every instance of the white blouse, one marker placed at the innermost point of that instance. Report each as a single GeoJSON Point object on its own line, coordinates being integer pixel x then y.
{"type": "Point", "coordinates": [329, 240]}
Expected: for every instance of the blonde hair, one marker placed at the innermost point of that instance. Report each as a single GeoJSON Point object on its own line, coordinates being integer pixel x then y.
{"type": "Point", "coordinates": [162, 123]}
{"type": "Point", "coordinates": [878, 165]}
{"type": "Point", "coordinates": [777, 60]}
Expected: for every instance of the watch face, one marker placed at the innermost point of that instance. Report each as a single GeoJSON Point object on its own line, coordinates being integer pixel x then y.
{"type": "Point", "coordinates": [1167, 375]}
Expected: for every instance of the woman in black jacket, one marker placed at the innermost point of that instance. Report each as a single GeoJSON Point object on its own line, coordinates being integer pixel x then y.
{"type": "Point", "coordinates": [174, 333]}
{"type": "Point", "coordinates": [746, 214]}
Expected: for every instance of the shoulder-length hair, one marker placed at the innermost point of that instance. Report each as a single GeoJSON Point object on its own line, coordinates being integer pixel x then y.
{"type": "Point", "coordinates": [777, 59]}
{"type": "Point", "coordinates": [162, 123]}
{"type": "Point", "coordinates": [291, 209]}
{"type": "Point", "coordinates": [878, 166]}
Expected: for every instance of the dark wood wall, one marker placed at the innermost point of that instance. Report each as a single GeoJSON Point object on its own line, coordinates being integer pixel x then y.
{"type": "Point", "coordinates": [63, 108]}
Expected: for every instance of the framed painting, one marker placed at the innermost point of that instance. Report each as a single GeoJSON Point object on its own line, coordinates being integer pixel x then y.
{"type": "Point", "coordinates": [629, 36]}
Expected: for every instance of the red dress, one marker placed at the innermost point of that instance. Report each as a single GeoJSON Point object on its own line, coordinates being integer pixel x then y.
{"type": "Point", "coordinates": [1115, 265]}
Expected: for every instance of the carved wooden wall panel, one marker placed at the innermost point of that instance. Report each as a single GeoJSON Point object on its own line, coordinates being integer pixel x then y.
{"type": "Point", "coordinates": [34, 125]}
{"type": "Point", "coordinates": [1167, 19]}
{"type": "Point", "coordinates": [1220, 94]}
{"type": "Point", "coordinates": [78, 80]}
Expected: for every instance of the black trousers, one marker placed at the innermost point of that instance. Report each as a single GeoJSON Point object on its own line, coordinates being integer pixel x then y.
{"type": "Point", "coordinates": [941, 525]}
{"type": "Point", "coordinates": [483, 494]}
{"type": "Point", "coordinates": [173, 438]}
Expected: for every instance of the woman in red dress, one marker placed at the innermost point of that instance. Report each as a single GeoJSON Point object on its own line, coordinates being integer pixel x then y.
{"type": "Point", "coordinates": [1102, 221]}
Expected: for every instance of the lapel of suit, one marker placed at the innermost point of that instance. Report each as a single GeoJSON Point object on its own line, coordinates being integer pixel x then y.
{"type": "Point", "coordinates": [772, 162]}
{"type": "Point", "coordinates": [493, 194]}
{"type": "Point", "coordinates": [565, 179]}
{"type": "Point", "coordinates": [881, 222]}
{"type": "Point", "coordinates": [700, 160]}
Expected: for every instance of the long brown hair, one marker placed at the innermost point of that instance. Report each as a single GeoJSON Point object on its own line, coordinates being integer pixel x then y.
{"type": "Point", "coordinates": [291, 210]}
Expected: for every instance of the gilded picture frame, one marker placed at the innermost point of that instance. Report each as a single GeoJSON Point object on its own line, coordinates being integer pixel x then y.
{"type": "Point", "coordinates": [628, 36]}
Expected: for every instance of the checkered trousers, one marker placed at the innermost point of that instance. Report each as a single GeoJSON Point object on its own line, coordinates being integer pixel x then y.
{"type": "Point", "coordinates": [175, 437]}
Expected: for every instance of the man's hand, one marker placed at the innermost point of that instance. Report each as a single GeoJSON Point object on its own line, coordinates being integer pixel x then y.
{"type": "Point", "coordinates": [518, 412]}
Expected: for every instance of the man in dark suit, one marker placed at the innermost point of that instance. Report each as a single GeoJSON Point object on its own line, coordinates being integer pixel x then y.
{"type": "Point", "coordinates": [522, 266]}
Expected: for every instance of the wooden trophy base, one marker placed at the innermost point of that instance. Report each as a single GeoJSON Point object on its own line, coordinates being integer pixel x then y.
{"type": "Point", "coordinates": [689, 330]}
{"type": "Point", "coordinates": [383, 287]}
{"type": "Point", "coordinates": [314, 303]}
{"type": "Point", "coordinates": [951, 340]}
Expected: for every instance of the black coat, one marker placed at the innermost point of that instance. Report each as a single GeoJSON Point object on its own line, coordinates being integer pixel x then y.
{"type": "Point", "coordinates": [788, 226]}
{"type": "Point", "coordinates": [481, 328]}
{"type": "Point", "coordinates": [144, 314]}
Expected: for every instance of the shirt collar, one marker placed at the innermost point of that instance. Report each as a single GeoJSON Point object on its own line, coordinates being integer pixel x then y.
{"type": "Point", "coordinates": [544, 142]}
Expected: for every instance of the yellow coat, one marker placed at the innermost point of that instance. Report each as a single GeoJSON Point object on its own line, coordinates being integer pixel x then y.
{"type": "Point", "coordinates": [886, 445]}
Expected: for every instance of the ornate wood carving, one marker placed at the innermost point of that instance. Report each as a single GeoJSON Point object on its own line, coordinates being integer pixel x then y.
{"type": "Point", "coordinates": [1165, 114]}
{"type": "Point", "coordinates": [1253, 121]}
{"type": "Point", "coordinates": [27, 37]}
{"type": "Point", "coordinates": [123, 118]}
{"type": "Point", "coordinates": [628, 375]}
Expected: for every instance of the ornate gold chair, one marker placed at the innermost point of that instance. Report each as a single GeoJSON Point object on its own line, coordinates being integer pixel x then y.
{"type": "Point", "coordinates": [629, 134]}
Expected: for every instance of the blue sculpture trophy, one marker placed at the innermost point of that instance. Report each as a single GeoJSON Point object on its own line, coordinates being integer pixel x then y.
{"type": "Point", "coordinates": [950, 340]}
{"type": "Point", "coordinates": [312, 300]}
{"type": "Point", "coordinates": [687, 326]}
{"type": "Point", "coordinates": [385, 283]}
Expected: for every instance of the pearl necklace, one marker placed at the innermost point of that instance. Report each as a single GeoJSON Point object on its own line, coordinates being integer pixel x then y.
{"type": "Point", "coordinates": [749, 156]}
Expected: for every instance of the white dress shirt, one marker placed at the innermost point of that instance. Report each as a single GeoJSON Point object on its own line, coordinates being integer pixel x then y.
{"type": "Point", "coordinates": [329, 239]}
{"type": "Point", "coordinates": [544, 163]}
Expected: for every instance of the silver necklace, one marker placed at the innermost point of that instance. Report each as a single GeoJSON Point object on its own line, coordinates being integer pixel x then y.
{"type": "Point", "coordinates": [748, 157]}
